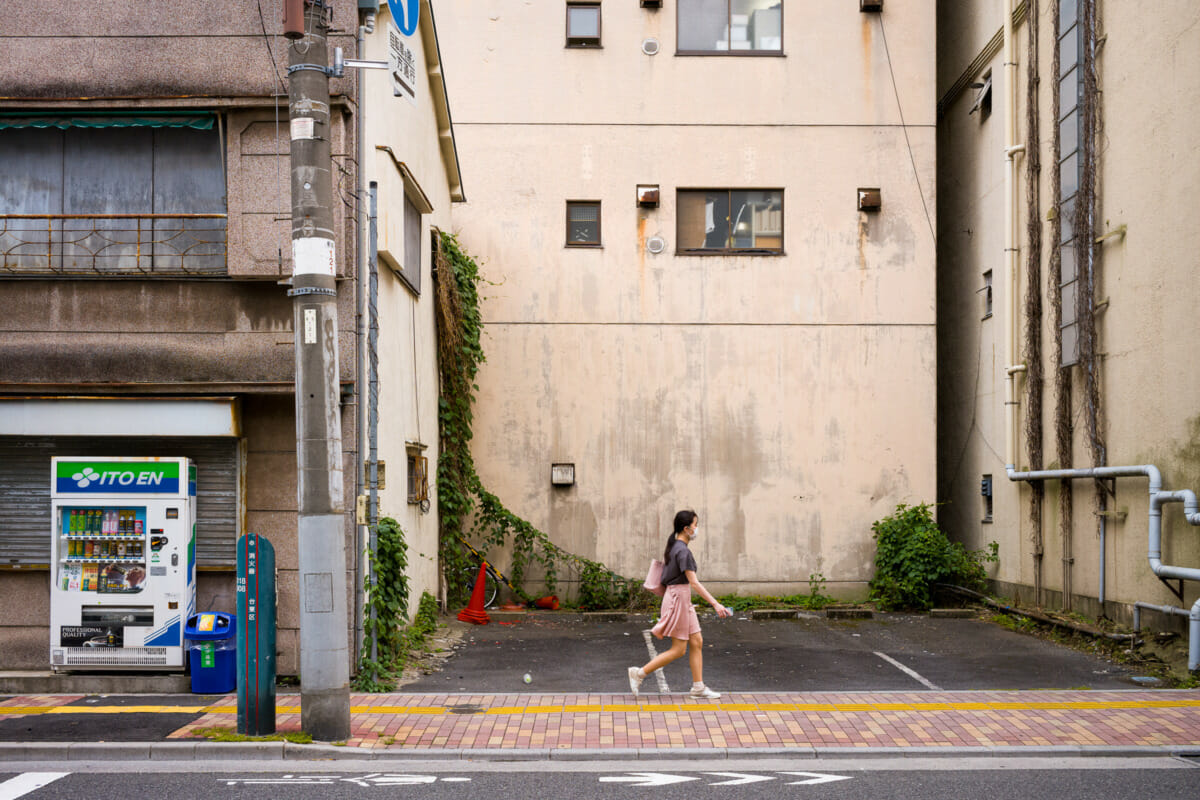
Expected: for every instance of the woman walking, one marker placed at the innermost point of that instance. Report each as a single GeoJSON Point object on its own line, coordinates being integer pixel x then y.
{"type": "Point", "coordinates": [678, 617]}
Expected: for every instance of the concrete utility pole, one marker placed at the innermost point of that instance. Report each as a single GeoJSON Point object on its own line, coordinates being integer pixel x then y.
{"type": "Point", "coordinates": [324, 656]}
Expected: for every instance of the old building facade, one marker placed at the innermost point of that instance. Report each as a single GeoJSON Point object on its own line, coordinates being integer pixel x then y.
{"type": "Point", "coordinates": [696, 297]}
{"type": "Point", "coordinates": [145, 232]}
{"type": "Point", "coordinates": [1064, 314]}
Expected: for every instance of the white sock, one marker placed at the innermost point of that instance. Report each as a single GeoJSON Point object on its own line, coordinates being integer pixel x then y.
{"type": "Point", "coordinates": [641, 673]}
{"type": "Point", "coordinates": [698, 685]}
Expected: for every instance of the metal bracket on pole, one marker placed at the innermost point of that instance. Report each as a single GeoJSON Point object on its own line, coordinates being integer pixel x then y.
{"type": "Point", "coordinates": [314, 67]}
{"type": "Point", "coordinates": [311, 290]}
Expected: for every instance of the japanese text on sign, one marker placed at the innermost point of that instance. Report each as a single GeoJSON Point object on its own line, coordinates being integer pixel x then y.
{"type": "Point", "coordinates": [402, 64]}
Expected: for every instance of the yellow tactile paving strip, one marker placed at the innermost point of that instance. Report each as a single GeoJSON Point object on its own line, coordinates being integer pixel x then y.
{"type": "Point", "coordinates": [878, 720]}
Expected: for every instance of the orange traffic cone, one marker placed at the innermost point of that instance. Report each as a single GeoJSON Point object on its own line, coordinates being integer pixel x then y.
{"type": "Point", "coordinates": [474, 611]}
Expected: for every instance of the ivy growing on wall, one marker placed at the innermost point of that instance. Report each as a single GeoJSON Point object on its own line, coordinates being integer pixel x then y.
{"type": "Point", "coordinates": [386, 610]}
{"type": "Point", "coordinates": [466, 508]}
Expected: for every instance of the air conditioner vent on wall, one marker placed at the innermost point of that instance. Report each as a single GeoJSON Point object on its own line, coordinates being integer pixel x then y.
{"type": "Point", "coordinates": [656, 244]}
{"type": "Point", "coordinates": [650, 46]}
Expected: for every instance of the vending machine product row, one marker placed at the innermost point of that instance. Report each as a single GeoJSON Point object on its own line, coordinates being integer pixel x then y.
{"type": "Point", "coordinates": [123, 562]}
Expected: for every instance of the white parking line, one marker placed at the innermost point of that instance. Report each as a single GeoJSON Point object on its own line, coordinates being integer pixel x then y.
{"type": "Point", "coordinates": [910, 673]}
{"type": "Point", "coordinates": [660, 675]}
{"type": "Point", "coordinates": [27, 782]}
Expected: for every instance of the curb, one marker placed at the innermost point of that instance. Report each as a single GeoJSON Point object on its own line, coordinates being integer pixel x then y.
{"type": "Point", "coordinates": [287, 751]}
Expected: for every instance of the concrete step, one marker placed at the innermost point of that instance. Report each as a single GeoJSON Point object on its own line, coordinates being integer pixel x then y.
{"type": "Point", "coordinates": [48, 682]}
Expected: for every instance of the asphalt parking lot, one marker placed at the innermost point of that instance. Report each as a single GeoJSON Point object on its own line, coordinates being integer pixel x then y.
{"type": "Point", "coordinates": [889, 652]}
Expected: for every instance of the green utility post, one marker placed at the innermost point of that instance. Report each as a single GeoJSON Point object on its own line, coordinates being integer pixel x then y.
{"type": "Point", "coordinates": [255, 635]}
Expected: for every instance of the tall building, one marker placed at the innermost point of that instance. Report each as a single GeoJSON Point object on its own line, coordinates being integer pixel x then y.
{"type": "Point", "coordinates": [707, 228]}
{"type": "Point", "coordinates": [1065, 318]}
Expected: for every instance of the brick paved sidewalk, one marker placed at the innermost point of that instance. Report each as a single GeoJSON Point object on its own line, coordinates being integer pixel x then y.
{"type": "Point", "coordinates": [883, 720]}
{"type": "Point", "coordinates": [950, 720]}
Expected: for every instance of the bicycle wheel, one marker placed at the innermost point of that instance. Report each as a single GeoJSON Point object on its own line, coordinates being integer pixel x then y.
{"type": "Point", "coordinates": [490, 588]}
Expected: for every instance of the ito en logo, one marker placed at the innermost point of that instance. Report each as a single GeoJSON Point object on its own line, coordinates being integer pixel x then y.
{"type": "Point", "coordinates": [86, 478]}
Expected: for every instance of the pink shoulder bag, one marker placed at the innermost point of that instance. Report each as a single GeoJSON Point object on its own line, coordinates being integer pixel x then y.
{"type": "Point", "coordinates": [654, 578]}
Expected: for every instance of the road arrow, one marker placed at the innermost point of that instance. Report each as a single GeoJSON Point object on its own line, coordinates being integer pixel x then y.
{"type": "Point", "coordinates": [815, 777]}
{"type": "Point", "coordinates": [739, 779]}
{"type": "Point", "coordinates": [647, 779]}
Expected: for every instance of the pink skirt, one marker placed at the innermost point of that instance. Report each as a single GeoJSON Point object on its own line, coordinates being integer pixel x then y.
{"type": "Point", "coordinates": [677, 618]}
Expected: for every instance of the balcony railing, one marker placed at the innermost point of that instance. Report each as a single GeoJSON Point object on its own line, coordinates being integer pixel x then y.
{"type": "Point", "coordinates": [149, 245]}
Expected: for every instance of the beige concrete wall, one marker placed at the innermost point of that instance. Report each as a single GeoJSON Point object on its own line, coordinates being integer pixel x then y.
{"type": "Point", "coordinates": [408, 373]}
{"type": "Point", "coordinates": [1146, 328]}
{"type": "Point", "coordinates": [788, 399]}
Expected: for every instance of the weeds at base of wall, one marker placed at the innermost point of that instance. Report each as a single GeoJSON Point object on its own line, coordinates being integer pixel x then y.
{"type": "Point", "coordinates": [1166, 661]}
{"type": "Point", "coordinates": [815, 600]}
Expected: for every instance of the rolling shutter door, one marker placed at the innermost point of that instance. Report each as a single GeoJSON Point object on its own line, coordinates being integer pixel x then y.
{"type": "Point", "coordinates": [25, 490]}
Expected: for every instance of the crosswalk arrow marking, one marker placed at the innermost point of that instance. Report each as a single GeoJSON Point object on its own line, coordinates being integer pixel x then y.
{"type": "Point", "coordinates": [647, 779]}
{"type": "Point", "coordinates": [739, 778]}
{"type": "Point", "coordinates": [815, 777]}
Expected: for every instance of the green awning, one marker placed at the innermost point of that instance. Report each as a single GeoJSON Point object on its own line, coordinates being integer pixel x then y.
{"type": "Point", "coordinates": [201, 121]}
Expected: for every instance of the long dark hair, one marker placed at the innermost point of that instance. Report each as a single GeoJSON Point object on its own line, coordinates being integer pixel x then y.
{"type": "Point", "coordinates": [682, 520]}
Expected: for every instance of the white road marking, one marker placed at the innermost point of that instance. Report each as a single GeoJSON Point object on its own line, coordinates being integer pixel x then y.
{"type": "Point", "coordinates": [369, 780]}
{"type": "Point", "coordinates": [739, 778]}
{"type": "Point", "coordinates": [27, 782]}
{"type": "Point", "coordinates": [910, 673]}
{"type": "Point", "coordinates": [660, 675]}
{"type": "Point", "coordinates": [815, 778]}
{"type": "Point", "coordinates": [647, 779]}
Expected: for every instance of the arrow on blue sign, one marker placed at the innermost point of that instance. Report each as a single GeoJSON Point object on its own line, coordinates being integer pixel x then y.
{"type": "Point", "coordinates": [405, 13]}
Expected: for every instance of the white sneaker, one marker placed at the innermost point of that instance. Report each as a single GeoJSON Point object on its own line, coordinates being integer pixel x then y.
{"type": "Point", "coordinates": [704, 692]}
{"type": "Point", "coordinates": [635, 679]}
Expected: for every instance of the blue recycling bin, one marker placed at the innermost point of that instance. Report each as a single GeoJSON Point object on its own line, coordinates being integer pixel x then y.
{"type": "Point", "coordinates": [212, 652]}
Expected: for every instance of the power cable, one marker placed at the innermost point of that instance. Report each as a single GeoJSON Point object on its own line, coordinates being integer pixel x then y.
{"type": "Point", "coordinates": [904, 128]}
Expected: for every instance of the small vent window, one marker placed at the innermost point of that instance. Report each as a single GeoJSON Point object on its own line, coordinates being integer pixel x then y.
{"type": "Point", "coordinates": [583, 223]}
{"type": "Point", "coordinates": [583, 25]}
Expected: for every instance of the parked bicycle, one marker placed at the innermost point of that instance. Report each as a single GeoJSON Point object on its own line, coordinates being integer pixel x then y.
{"type": "Point", "coordinates": [493, 578]}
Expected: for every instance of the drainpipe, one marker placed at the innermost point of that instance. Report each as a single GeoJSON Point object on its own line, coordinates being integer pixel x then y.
{"type": "Point", "coordinates": [1158, 498]}
{"type": "Point", "coordinates": [1011, 290]}
{"type": "Point", "coordinates": [359, 333]}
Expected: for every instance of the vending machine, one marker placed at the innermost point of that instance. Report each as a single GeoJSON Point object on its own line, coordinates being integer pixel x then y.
{"type": "Point", "coordinates": [123, 562]}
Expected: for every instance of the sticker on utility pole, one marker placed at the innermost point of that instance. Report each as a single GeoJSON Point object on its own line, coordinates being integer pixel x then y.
{"type": "Point", "coordinates": [303, 128]}
{"type": "Point", "coordinates": [312, 256]}
{"type": "Point", "coordinates": [406, 14]}
{"type": "Point", "coordinates": [402, 64]}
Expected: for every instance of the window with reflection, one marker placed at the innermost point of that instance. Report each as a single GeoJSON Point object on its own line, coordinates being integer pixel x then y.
{"type": "Point", "coordinates": [730, 27]}
{"type": "Point", "coordinates": [737, 221]}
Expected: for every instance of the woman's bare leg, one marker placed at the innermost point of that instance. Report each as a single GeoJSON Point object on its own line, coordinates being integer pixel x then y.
{"type": "Point", "coordinates": [696, 657]}
{"type": "Point", "coordinates": [677, 649]}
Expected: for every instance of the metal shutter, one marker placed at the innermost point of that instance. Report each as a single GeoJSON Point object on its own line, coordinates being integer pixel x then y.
{"type": "Point", "coordinates": [25, 490]}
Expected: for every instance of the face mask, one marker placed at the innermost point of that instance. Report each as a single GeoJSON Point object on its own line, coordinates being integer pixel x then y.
{"type": "Point", "coordinates": [695, 532]}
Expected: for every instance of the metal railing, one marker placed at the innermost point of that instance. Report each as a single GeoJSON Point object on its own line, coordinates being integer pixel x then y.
{"type": "Point", "coordinates": [151, 245]}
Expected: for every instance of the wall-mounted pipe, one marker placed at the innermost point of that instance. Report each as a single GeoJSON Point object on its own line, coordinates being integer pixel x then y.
{"type": "Point", "coordinates": [1011, 254]}
{"type": "Point", "coordinates": [1158, 498]}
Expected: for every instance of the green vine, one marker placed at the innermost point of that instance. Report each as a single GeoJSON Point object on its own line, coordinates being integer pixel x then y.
{"type": "Point", "coordinates": [465, 507]}
{"type": "Point", "coordinates": [386, 610]}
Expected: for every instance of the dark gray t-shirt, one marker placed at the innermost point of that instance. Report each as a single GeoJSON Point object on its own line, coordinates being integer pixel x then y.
{"type": "Point", "coordinates": [677, 564]}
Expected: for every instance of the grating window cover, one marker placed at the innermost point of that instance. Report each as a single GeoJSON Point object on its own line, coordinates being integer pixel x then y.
{"type": "Point", "coordinates": [583, 224]}
{"type": "Point", "coordinates": [128, 656]}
